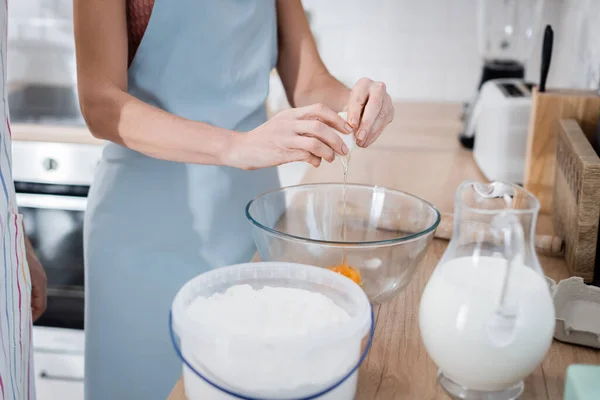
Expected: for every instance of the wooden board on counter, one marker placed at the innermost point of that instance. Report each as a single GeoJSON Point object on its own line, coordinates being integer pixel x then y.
{"type": "Point", "coordinates": [577, 199]}
{"type": "Point", "coordinates": [427, 160]}
{"type": "Point", "coordinates": [548, 108]}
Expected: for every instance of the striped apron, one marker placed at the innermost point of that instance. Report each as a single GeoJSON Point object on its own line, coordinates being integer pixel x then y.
{"type": "Point", "coordinates": [16, 367]}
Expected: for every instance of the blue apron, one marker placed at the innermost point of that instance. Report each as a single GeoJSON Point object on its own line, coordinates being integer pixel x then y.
{"type": "Point", "coordinates": [152, 225]}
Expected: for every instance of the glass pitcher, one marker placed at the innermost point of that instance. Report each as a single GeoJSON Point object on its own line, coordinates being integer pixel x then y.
{"type": "Point", "coordinates": [486, 315]}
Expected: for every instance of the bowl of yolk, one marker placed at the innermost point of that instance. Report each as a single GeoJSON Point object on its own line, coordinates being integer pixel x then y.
{"type": "Point", "coordinates": [373, 235]}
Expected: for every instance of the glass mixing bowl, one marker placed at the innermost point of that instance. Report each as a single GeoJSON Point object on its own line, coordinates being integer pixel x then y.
{"type": "Point", "coordinates": [387, 232]}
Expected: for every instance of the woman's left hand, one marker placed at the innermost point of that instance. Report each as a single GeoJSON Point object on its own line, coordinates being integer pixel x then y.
{"type": "Point", "coordinates": [38, 282]}
{"type": "Point", "coordinates": [370, 110]}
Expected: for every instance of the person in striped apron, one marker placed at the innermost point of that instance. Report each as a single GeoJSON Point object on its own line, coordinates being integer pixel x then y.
{"type": "Point", "coordinates": [22, 278]}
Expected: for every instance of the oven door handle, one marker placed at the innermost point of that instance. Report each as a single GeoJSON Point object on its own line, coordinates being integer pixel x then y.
{"type": "Point", "coordinates": [64, 378]}
{"type": "Point", "coordinates": [50, 201]}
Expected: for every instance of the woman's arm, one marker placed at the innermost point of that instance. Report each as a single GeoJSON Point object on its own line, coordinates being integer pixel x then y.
{"type": "Point", "coordinates": [304, 76]}
{"type": "Point", "coordinates": [113, 114]}
{"type": "Point", "coordinates": [307, 81]}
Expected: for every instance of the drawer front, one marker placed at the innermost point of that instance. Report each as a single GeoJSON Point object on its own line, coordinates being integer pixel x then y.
{"type": "Point", "coordinates": [58, 340]}
{"type": "Point", "coordinates": [58, 376]}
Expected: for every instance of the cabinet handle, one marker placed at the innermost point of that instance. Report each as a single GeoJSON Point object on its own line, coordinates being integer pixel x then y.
{"type": "Point", "coordinates": [51, 377]}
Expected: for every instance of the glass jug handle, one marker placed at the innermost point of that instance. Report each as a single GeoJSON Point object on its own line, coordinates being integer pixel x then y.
{"type": "Point", "coordinates": [502, 323]}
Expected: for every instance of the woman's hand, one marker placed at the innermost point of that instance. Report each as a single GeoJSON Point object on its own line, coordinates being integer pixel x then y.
{"type": "Point", "coordinates": [38, 282]}
{"type": "Point", "coordinates": [370, 110]}
{"type": "Point", "coordinates": [298, 134]}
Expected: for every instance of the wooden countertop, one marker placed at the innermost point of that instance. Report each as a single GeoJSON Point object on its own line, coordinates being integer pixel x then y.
{"type": "Point", "coordinates": [420, 153]}
{"type": "Point", "coordinates": [53, 133]}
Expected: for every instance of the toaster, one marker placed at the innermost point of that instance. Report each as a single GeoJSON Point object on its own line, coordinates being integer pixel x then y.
{"type": "Point", "coordinates": [501, 119]}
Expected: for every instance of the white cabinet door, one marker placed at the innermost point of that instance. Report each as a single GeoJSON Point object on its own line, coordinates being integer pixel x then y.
{"type": "Point", "coordinates": [58, 340]}
{"type": "Point", "coordinates": [59, 376]}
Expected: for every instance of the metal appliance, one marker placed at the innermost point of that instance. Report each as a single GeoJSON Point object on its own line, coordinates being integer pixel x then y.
{"type": "Point", "coordinates": [507, 30]}
{"type": "Point", "coordinates": [502, 120]}
{"type": "Point", "coordinates": [52, 182]}
{"type": "Point", "coordinates": [51, 179]}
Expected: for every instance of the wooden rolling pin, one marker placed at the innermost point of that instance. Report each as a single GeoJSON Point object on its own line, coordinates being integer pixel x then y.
{"type": "Point", "coordinates": [552, 246]}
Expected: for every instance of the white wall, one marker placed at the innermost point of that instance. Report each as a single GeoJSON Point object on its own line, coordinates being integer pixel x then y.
{"type": "Point", "coordinates": [577, 50]}
{"type": "Point", "coordinates": [422, 49]}
{"type": "Point", "coordinates": [427, 49]}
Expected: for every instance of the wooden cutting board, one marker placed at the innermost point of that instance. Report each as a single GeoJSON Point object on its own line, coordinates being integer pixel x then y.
{"type": "Point", "coordinates": [577, 199]}
{"type": "Point", "coordinates": [548, 108]}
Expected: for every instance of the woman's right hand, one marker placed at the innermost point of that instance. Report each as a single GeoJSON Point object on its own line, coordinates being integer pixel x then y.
{"type": "Point", "coordinates": [298, 134]}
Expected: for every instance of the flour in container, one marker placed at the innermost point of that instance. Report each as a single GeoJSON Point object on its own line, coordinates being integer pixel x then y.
{"type": "Point", "coordinates": [268, 312]}
{"type": "Point", "coordinates": [264, 369]}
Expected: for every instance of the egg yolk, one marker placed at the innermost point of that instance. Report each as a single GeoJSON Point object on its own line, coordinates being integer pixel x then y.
{"type": "Point", "coordinates": [348, 272]}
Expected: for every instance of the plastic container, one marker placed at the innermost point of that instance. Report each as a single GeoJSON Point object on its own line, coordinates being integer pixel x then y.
{"type": "Point", "coordinates": [577, 306]}
{"type": "Point", "coordinates": [322, 365]}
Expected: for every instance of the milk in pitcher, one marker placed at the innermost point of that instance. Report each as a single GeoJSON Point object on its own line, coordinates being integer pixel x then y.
{"type": "Point", "coordinates": [457, 304]}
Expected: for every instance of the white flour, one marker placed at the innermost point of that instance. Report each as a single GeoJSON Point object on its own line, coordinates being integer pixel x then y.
{"type": "Point", "coordinates": [268, 312]}
{"type": "Point", "coordinates": [272, 312]}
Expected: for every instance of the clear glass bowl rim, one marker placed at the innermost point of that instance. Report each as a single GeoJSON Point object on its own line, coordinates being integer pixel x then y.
{"type": "Point", "coordinates": [402, 239]}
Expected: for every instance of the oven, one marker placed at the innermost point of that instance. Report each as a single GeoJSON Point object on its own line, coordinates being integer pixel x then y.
{"type": "Point", "coordinates": [53, 218]}
{"type": "Point", "coordinates": [52, 181]}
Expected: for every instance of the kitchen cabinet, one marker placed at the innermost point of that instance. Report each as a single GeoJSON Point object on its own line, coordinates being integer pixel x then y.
{"type": "Point", "coordinates": [58, 376]}
{"type": "Point", "coordinates": [58, 363]}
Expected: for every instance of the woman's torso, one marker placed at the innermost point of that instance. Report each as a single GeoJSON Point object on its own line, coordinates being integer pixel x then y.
{"type": "Point", "coordinates": [206, 61]}
{"type": "Point", "coordinates": [152, 225]}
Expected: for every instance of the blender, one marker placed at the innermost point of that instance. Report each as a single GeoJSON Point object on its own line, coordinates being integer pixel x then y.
{"type": "Point", "coordinates": [506, 30]}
